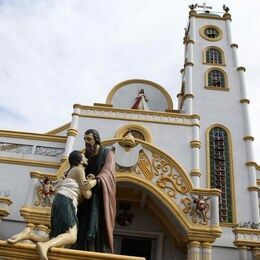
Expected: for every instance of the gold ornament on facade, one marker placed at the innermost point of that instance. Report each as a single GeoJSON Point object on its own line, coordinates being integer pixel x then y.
{"type": "Point", "coordinates": [128, 141]}
{"type": "Point", "coordinates": [197, 208]}
{"type": "Point", "coordinates": [45, 193]}
{"type": "Point", "coordinates": [144, 166]}
{"type": "Point", "coordinates": [168, 180]}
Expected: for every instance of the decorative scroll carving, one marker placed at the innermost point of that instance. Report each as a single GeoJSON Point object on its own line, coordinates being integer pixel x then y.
{"type": "Point", "coordinates": [144, 166]}
{"type": "Point", "coordinates": [197, 208]}
{"type": "Point", "coordinates": [162, 183]}
{"type": "Point", "coordinates": [169, 179]}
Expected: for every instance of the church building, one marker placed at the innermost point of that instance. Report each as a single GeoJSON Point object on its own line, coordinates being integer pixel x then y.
{"type": "Point", "coordinates": [186, 176]}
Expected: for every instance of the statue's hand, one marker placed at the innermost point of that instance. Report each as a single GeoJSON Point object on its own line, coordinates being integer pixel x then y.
{"type": "Point", "coordinates": [89, 184]}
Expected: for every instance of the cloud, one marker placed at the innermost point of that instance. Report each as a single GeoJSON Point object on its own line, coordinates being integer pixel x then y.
{"type": "Point", "coordinates": [56, 53]}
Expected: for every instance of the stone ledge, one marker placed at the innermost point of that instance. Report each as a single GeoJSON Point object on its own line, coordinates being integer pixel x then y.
{"type": "Point", "coordinates": [28, 251]}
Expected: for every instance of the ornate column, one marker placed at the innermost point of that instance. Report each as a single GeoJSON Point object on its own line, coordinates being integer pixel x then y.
{"type": "Point", "coordinates": [194, 250]}
{"type": "Point", "coordinates": [72, 132]}
{"type": "Point", "coordinates": [195, 145]}
{"type": "Point", "coordinates": [206, 251]}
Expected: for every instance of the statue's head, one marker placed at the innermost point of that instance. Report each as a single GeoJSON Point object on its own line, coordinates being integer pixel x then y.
{"type": "Point", "coordinates": [92, 141]}
{"type": "Point", "coordinates": [76, 158]}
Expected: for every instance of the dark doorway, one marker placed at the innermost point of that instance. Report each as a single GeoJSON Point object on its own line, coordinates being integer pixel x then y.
{"type": "Point", "coordinates": [136, 247]}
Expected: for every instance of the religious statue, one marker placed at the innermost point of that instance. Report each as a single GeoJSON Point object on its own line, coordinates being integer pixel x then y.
{"type": "Point", "coordinates": [45, 193]}
{"type": "Point", "coordinates": [63, 214]}
{"type": "Point", "coordinates": [96, 216]}
{"type": "Point", "coordinates": [201, 206]}
{"type": "Point", "coordinates": [141, 101]}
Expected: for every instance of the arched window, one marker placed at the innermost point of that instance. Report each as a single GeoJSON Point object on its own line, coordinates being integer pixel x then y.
{"type": "Point", "coordinates": [216, 78]}
{"type": "Point", "coordinates": [220, 171]}
{"type": "Point", "coordinates": [214, 55]}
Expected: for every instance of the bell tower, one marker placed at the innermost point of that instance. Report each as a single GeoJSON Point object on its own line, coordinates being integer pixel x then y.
{"type": "Point", "coordinates": [213, 86]}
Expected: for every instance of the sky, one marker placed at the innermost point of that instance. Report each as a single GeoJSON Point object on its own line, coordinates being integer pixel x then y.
{"type": "Point", "coordinates": [55, 53]}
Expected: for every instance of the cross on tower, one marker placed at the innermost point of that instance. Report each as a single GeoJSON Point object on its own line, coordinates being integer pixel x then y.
{"type": "Point", "coordinates": [204, 6]}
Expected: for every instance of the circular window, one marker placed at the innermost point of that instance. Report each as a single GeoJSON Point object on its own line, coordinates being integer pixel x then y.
{"type": "Point", "coordinates": [211, 33]}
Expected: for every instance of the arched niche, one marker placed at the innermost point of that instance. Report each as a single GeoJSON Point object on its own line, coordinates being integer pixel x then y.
{"type": "Point", "coordinates": [124, 94]}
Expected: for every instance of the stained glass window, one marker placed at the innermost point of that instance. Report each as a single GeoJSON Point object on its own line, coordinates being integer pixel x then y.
{"type": "Point", "coordinates": [220, 175]}
{"type": "Point", "coordinates": [216, 78]}
{"type": "Point", "coordinates": [214, 55]}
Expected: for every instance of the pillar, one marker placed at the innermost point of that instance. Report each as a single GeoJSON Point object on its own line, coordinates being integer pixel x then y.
{"type": "Point", "coordinates": [242, 252]}
{"type": "Point", "coordinates": [72, 132]}
{"type": "Point", "coordinates": [195, 146]}
{"type": "Point", "coordinates": [194, 250]}
{"type": "Point", "coordinates": [206, 251]}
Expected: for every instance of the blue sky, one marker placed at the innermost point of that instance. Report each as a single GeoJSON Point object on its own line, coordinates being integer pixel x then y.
{"type": "Point", "coordinates": [56, 53]}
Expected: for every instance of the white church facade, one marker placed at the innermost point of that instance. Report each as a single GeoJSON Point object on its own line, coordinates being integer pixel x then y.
{"type": "Point", "coordinates": [187, 179]}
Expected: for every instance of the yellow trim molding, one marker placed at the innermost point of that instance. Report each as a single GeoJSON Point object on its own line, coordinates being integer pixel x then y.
{"type": "Point", "coordinates": [248, 138]}
{"type": "Point", "coordinates": [190, 41]}
{"type": "Point", "coordinates": [102, 105]}
{"type": "Point", "coordinates": [257, 167]}
{"type": "Point", "coordinates": [251, 163]}
{"type": "Point", "coordinates": [5, 200]}
{"type": "Point", "coordinates": [142, 81]}
{"type": "Point", "coordinates": [188, 96]}
{"type": "Point", "coordinates": [203, 35]}
{"type": "Point", "coordinates": [249, 238]}
{"type": "Point", "coordinates": [196, 116]}
{"type": "Point", "coordinates": [195, 144]}
{"type": "Point", "coordinates": [253, 188]}
{"type": "Point", "coordinates": [233, 45]}
{"type": "Point", "coordinates": [188, 63]}
{"type": "Point", "coordinates": [72, 132]}
{"type": "Point", "coordinates": [134, 115]}
{"type": "Point", "coordinates": [59, 129]}
{"type": "Point", "coordinates": [3, 213]}
{"type": "Point", "coordinates": [36, 216]}
{"type": "Point", "coordinates": [140, 128]}
{"type": "Point", "coordinates": [21, 251]}
{"type": "Point", "coordinates": [241, 68]}
{"type": "Point", "coordinates": [217, 88]}
{"type": "Point", "coordinates": [195, 172]}
{"type": "Point", "coordinates": [225, 88]}
{"type": "Point", "coordinates": [42, 175]}
{"type": "Point", "coordinates": [244, 100]}
{"type": "Point", "coordinates": [18, 161]}
{"type": "Point", "coordinates": [33, 136]}
{"type": "Point", "coordinates": [204, 56]}
{"type": "Point", "coordinates": [230, 144]}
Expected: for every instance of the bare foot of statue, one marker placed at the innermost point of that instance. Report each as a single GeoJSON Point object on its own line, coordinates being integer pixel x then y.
{"type": "Point", "coordinates": [25, 234]}
{"type": "Point", "coordinates": [42, 250]}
